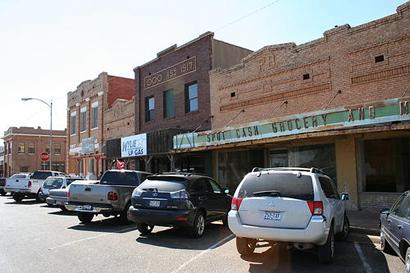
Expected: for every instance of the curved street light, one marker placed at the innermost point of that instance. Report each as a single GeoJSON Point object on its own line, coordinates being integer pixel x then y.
{"type": "Point", "coordinates": [50, 105]}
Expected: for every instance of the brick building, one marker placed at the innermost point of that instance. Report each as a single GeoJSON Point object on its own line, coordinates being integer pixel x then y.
{"type": "Point", "coordinates": [172, 96]}
{"type": "Point", "coordinates": [1, 161]}
{"type": "Point", "coordinates": [24, 145]}
{"type": "Point", "coordinates": [119, 122]}
{"type": "Point", "coordinates": [86, 108]}
{"type": "Point", "coordinates": [340, 103]}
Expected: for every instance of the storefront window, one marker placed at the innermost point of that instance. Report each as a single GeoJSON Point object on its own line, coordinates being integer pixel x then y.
{"type": "Point", "coordinates": [233, 166]}
{"type": "Point", "coordinates": [386, 165]}
{"type": "Point", "coordinates": [319, 156]}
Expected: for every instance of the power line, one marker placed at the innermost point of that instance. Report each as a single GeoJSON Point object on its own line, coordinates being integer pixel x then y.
{"type": "Point", "coordinates": [247, 15]}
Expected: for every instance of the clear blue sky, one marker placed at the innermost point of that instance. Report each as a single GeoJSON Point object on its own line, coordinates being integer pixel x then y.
{"type": "Point", "coordinates": [48, 47]}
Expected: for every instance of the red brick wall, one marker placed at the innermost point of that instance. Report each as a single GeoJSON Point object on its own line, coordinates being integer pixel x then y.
{"type": "Point", "coordinates": [344, 59]}
{"type": "Point", "coordinates": [119, 88]}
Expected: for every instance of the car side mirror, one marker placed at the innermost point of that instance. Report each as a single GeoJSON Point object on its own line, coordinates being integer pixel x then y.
{"type": "Point", "coordinates": [344, 196]}
{"type": "Point", "coordinates": [226, 191]}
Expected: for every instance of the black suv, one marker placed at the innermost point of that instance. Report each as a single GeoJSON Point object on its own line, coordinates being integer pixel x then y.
{"type": "Point", "coordinates": [178, 200]}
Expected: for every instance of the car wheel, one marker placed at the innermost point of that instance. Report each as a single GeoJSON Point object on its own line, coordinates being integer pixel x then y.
{"type": "Point", "coordinates": [17, 198]}
{"type": "Point", "coordinates": [2, 192]}
{"type": "Point", "coordinates": [63, 208]}
{"type": "Point", "coordinates": [245, 246]}
{"type": "Point", "coordinates": [145, 229]}
{"type": "Point", "coordinates": [225, 220]}
{"type": "Point", "coordinates": [85, 217]}
{"type": "Point", "coordinates": [197, 230]}
{"type": "Point", "coordinates": [407, 260]}
{"type": "Point", "coordinates": [124, 215]}
{"type": "Point", "coordinates": [342, 236]}
{"type": "Point", "coordinates": [327, 251]}
{"type": "Point", "coordinates": [38, 197]}
{"type": "Point", "coordinates": [384, 245]}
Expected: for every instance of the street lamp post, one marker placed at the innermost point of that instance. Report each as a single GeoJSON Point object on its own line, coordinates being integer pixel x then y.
{"type": "Point", "coordinates": [50, 105]}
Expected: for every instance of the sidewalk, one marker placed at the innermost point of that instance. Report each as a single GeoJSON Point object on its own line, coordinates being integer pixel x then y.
{"type": "Point", "coordinates": [364, 221]}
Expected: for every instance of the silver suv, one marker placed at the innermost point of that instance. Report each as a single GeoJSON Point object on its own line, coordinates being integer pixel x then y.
{"type": "Point", "coordinates": [298, 206]}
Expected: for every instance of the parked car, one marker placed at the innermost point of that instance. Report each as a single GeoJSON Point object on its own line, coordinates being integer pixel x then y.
{"type": "Point", "coordinates": [298, 206]}
{"type": "Point", "coordinates": [178, 200]}
{"type": "Point", "coordinates": [395, 229]}
{"type": "Point", "coordinates": [55, 182]}
{"type": "Point", "coordinates": [28, 186]}
{"type": "Point", "coordinates": [111, 196]}
{"type": "Point", "coordinates": [58, 197]}
{"type": "Point", "coordinates": [18, 185]}
{"type": "Point", "coordinates": [2, 185]}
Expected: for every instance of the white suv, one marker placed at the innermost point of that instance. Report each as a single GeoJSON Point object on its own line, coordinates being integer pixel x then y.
{"type": "Point", "coordinates": [294, 205]}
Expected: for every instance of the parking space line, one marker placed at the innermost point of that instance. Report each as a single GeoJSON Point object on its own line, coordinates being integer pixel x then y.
{"type": "Point", "coordinates": [220, 242]}
{"type": "Point", "coordinates": [362, 258]}
{"type": "Point", "coordinates": [91, 238]}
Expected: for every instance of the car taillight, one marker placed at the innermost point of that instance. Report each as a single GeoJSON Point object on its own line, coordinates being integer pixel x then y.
{"type": "Point", "coordinates": [236, 203]}
{"type": "Point", "coordinates": [112, 196]}
{"type": "Point", "coordinates": [316, 207]}
{"type": "Point", "coordinates": [29, 184]}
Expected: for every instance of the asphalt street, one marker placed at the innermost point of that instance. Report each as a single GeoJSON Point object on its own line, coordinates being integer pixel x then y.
{"type": "Point", "coordinates": [37, 238]}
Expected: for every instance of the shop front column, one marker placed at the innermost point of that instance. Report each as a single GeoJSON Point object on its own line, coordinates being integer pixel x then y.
{"type": "Point", "coordinates": [346, 168]}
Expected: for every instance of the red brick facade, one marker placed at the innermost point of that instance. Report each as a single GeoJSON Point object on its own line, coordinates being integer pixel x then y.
{"type": "Point", "coordinates": [348, 66]}
{"type": "Point", "coordinates": [24, 145]}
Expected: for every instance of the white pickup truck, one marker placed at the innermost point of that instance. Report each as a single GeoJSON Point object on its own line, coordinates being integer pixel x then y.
{"type": "Point", "coordinates": [24, 185]}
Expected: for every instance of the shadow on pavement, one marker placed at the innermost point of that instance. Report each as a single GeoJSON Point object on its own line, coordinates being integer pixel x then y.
{"type": "Point", "coordinates": [23, 202]}
{"type": "Point", "coordinates": [62, 212]}
{"type": "Point", "coordinates": [350, 257]}
{"type": "Point", "coordinates": [178, 238]}
{"type": "Point", "coordinates": [111, 224]}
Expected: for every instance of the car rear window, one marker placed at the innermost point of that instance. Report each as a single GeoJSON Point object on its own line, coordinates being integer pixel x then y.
{"type": "Point", "coordinates": [41, 175]}
{"type": "Point", "coordinates": [277, 184]}
{"type": "Point", "coordinates": [120, 178]}
{"type": "Point", "coordinates": [71, 180]}
{"type": "Point", "coordinates": [164, 184]}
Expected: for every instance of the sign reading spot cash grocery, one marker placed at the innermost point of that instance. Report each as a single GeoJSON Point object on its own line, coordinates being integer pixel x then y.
{"type": "Point", "coordinates": [134, 145]}
{"type": "Point", "coordinates": [393, 110]}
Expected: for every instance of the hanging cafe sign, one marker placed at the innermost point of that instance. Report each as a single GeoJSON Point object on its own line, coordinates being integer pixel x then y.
{"type": "Point", "coordinates": [377, 113]}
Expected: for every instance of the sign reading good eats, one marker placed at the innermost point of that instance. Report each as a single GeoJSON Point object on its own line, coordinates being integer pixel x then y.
{"type": "Point", "coordinates": [134, 145]}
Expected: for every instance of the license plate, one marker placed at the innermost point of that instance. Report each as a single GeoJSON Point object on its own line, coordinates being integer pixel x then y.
{"type": "Point", "coordinates": [154, 203]}
{"type": "Point", "coordinates": [86, 207]}
{"type": "Point", "coordinates": [269, 215]}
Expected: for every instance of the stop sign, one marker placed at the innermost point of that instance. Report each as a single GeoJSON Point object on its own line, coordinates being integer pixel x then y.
{"type": "Point", "coordinates": [44, 157]}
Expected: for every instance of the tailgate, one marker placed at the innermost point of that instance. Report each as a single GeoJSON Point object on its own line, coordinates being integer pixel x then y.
{"type": "Point", "coordinates": [278, 212]}
{"type": "Point", "coordinates": [17, 183]}
{"type": "Point", "coordinates": [89, 193]}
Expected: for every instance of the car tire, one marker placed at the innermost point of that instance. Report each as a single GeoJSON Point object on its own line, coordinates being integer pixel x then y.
{"type": "Point", "coordinates": [17, 198]}
{"type": "Point", "coordinates": [225, 220]}
{"type": "Point", "coordinates": [2, 192]}
{"type": "Point", "coordinates": [124, 215]}
{"type": "Point", "coordinates": [63, 208]}
{"type": "Point", "coordinates": [85, 217]}
{"type": "Point", "coordinates": [384, 245]}
{"type": "Point", "coordinates": [245, 246]}
{"type": "Point", "coordinates": [407, 260]}
{"type": "Point", "coordinates": [144, 229]}
{"type": "Point", "coordinates": [38, 197]}
{"type": "Point", "coordinates": [342, 236]}
{"type": "Point", "coordinates": [327, 251]}
{"type": "Point", "coordinates": [198, 229]}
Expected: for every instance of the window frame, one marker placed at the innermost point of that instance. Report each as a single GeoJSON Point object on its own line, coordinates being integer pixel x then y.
{"type": "Point", "coordinates": [19, 146]}
{"type": "Point", "coordinates": [148, 117]}
{"type": "Point", "coordinates": [73, 123]}
{"type": "Point", "coordinates": [164, 100]}
{"type": "Point", "coordinates": [94, 115]}
{"type": "Point", "coordinates": [188, 99]}
{"type": "Point", "coordinates": [83, 119]}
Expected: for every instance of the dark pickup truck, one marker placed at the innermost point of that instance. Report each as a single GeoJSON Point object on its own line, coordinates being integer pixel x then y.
{"type": "Point", "coordinates": [111, 196]}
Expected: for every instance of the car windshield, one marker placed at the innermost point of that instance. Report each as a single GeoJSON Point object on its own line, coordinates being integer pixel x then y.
{"type": "Point", "coordinates": [164, 184]}
{"type": "Point", "coordinates": [41, 175]}
{"type": "Point", "coordinates": [277, 184]}
{"type": "Point", "coordinates": [53, 183]}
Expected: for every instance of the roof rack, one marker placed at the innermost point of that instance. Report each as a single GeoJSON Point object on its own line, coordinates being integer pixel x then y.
{"type": "Point", "coordinates": [311, 170]}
